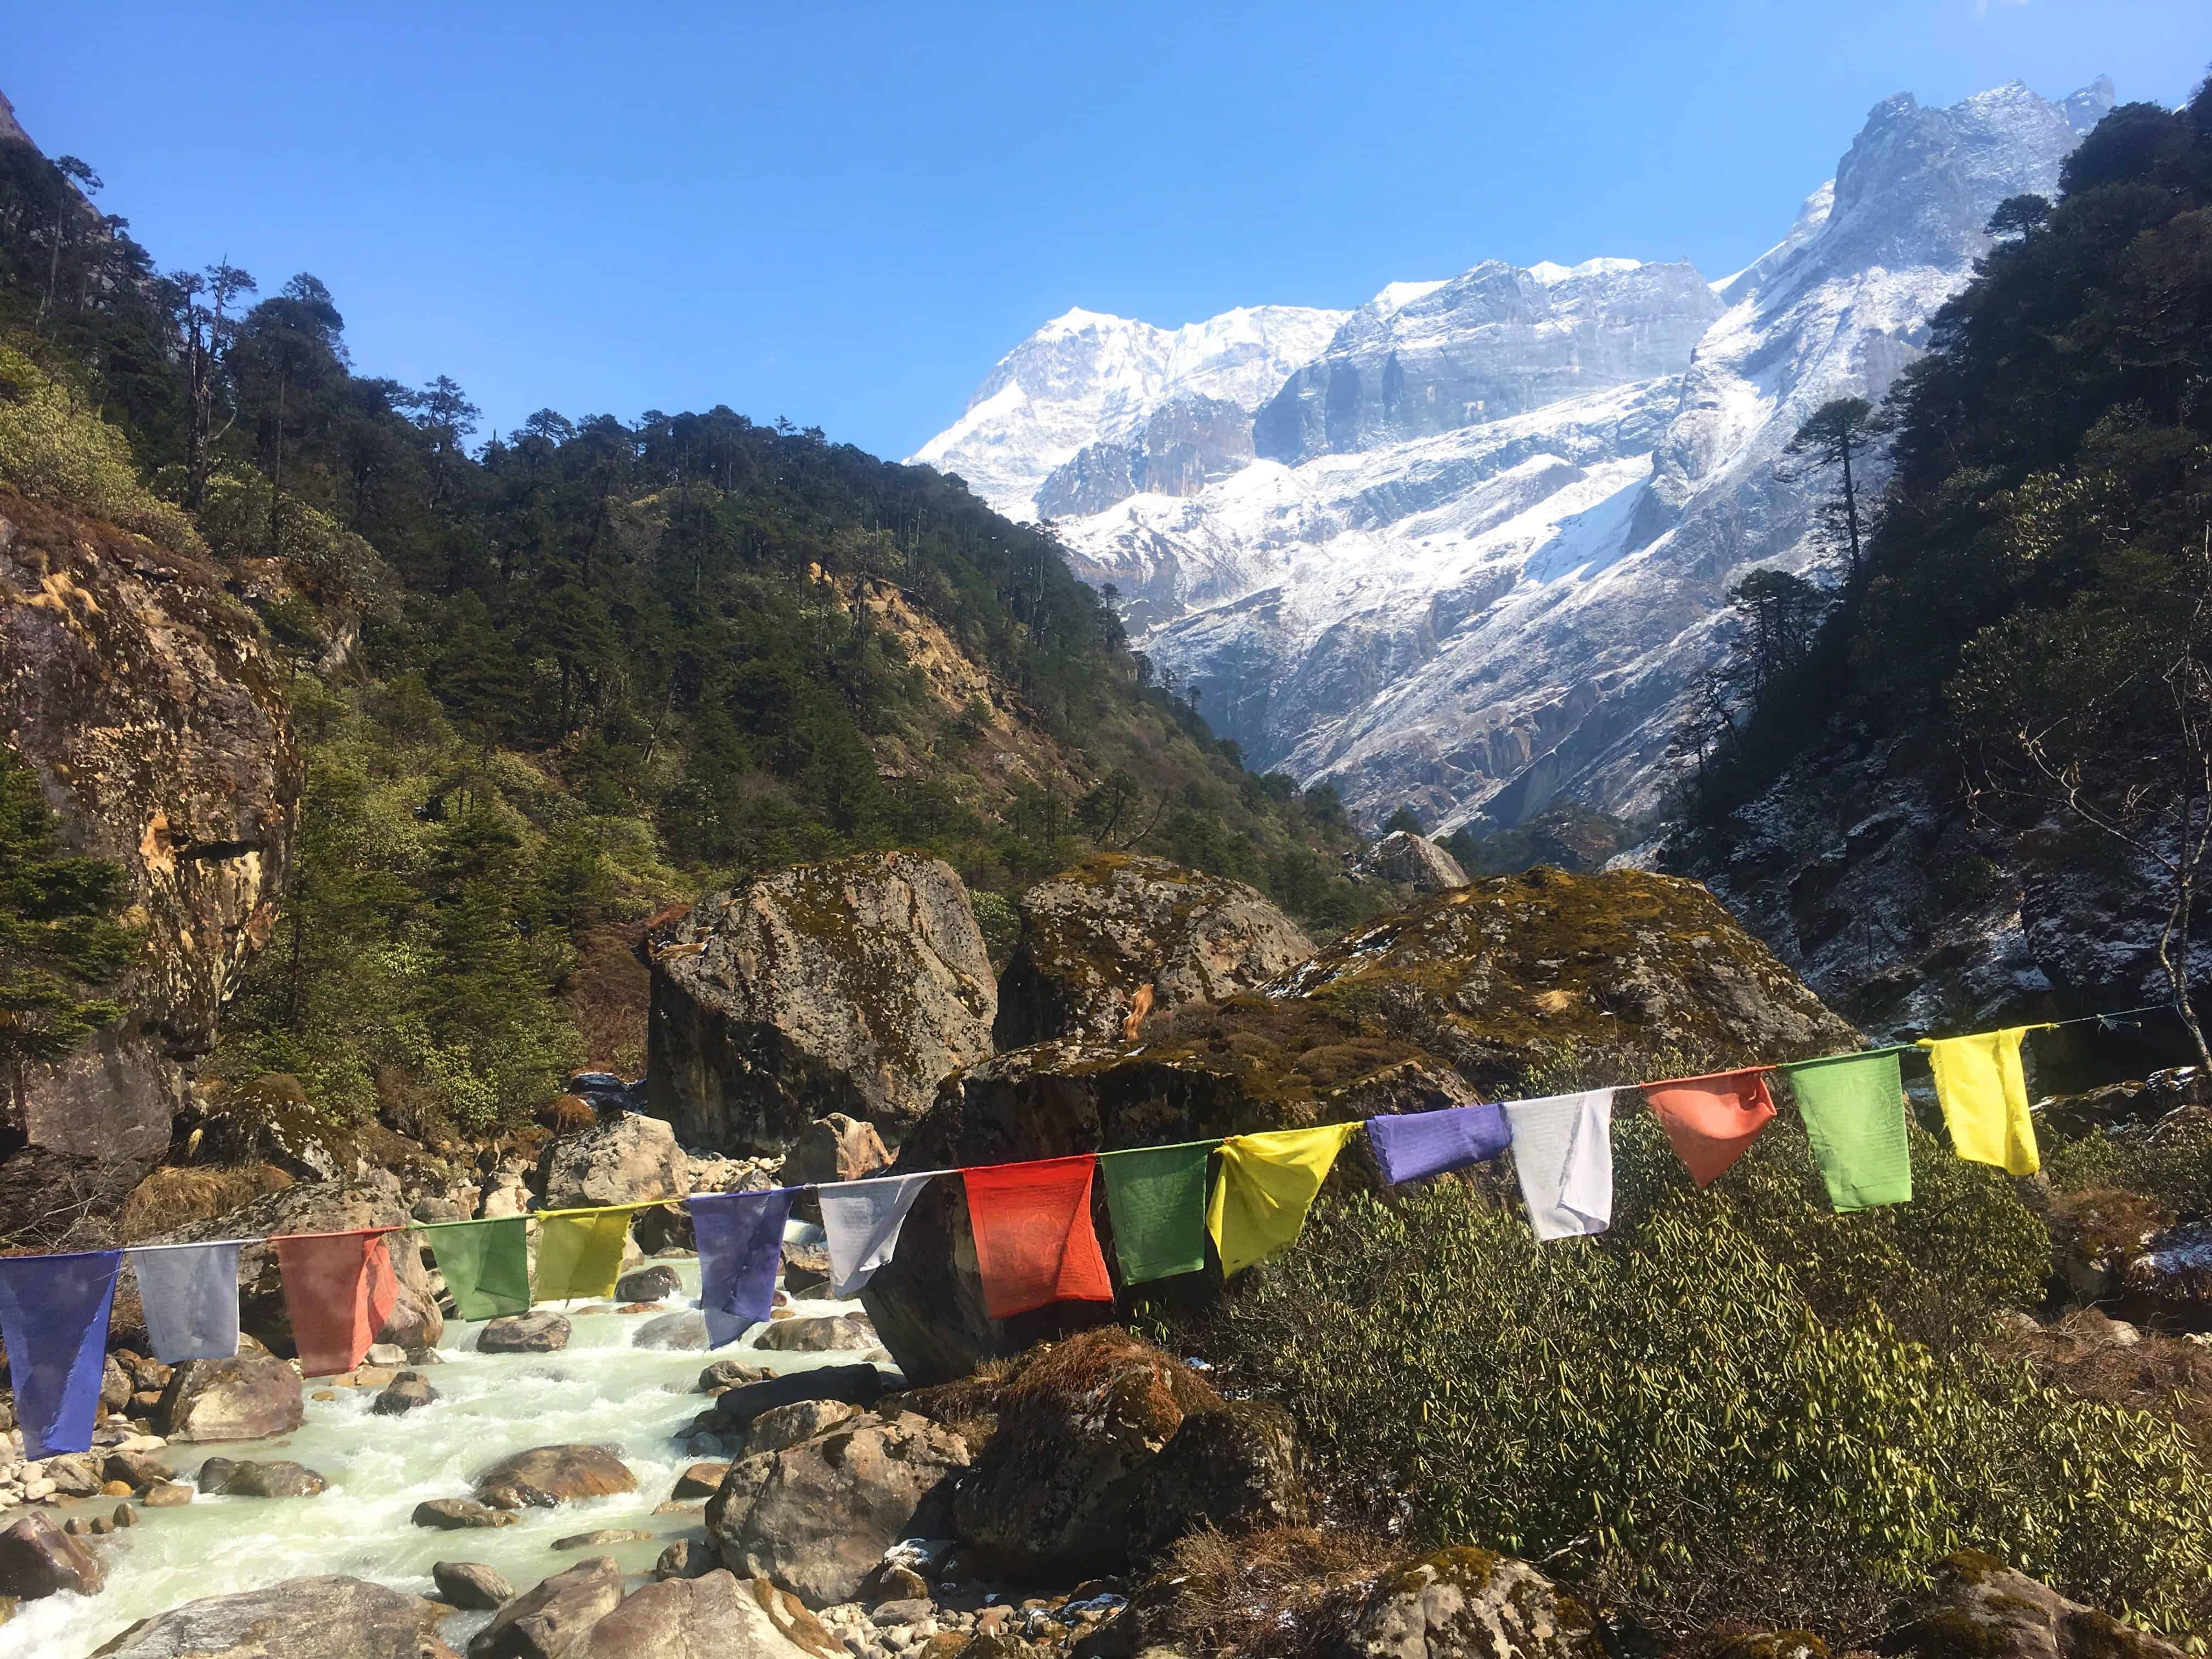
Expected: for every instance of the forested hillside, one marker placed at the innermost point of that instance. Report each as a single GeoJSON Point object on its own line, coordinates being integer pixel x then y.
{"type": "Point", "coordinates": [547, 682]}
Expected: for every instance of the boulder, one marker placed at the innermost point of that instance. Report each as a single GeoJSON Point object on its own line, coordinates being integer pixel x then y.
{"type": "Point", "coordinates": [242, 1478]}
{"type": "Point", "coordinates": [607, 1094]}
{"type": "Point", "coordinates": [135, 1469]}
{"type": "Point", "coordinates": [1977, 1605]}
{"type": "Point", "coordinates": [819, 1334]}
{"type": "Point", "coordinates": [1469, 1601]}
{"type": "Point", "coordinates": [166, 1495]}
{"type": "Point", "coordinates": [600, 1538]}
{"type": "Point", "coordinates": [1414, 861]}
{"type": "Point", "coordinates": [332, 1618]}
{"type": "Point", "coordinates": [1500, 976]}
{"type": "Point", "coordinates": [538, 1331]}
{"type": "Point", "coordinates": [687, 1558]}
{"type": "Point", "coordinates": [1236, 1468]}
{"type": "Point", "coordinates": [654, 1284]}
{"type": "Point", "coordinates": [38, 1558]}
{"type": "Point", "coordinates": [700, 1480]}
{"type": "Point", "coordinates": [622, 1161]}
{"type": "Point", "coordinates": [401, 1396]}
{"type": "Point", "coordinates": [245, 1397]}
{"type": "Point", "coordinates": [832, 1148]}
{"type": "Point", "coordinates": [456, 1514]}
{"type": "Point", "coordinates": [1092, 938]}
{"type": "Point", "coordinates": [710, 1616]}
{"type": "Point", "coordinates": [805, 1268]}
{"type": "Point", "coordinates": [470, 1585]}
{"type": "Point", "coordinates": [855, 1385]}
{"type": "Point", "coordinates": [551, 1621]}
{"type": "Point", "coordinates": [1059, 1488]}
{"type": "Point", "coordinates": [2170, 1283]}
{"type": "Point", "coordinates": [729, 1374]}
{"type": "Point", "coordinates": [853, 986]}
{"type": "Point", "coordinates": [815, 1518]}
{"type": "Point", "coordinates": [684, 1331]}
{"type": "Point", "coordinates": [546, 1475]}
{"type": "Point", "coordinates": [786, 1425]}
{"type": "Point", "coordinates": [116, 1386]}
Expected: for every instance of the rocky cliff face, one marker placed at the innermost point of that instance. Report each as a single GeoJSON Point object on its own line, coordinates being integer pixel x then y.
{"type": "Point", "coordinates": [143, 696]}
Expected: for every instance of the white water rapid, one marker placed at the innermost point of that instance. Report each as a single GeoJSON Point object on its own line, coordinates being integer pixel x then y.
{"type": "Point", "coordinates": [600, 1389]}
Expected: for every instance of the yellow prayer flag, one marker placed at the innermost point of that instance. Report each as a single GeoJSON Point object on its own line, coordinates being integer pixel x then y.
{"type": "Point", "coordinates": [1266, 1185]}
{"type": "Point", "coordinates": [579, 1253]}
{"type": "Point", "coordinates": [1984, 1094]}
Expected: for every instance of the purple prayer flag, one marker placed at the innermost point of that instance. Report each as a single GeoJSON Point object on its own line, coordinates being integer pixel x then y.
{"type": "Point", "coordinates": [1417, 1144]}
{"type": "Point", "coordinates": [54, 1318]}
{"type": "Point", "coordinates": [740, 1255]}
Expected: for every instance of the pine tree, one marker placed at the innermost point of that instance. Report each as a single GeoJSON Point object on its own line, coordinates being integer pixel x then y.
{"type": "Point", "coordinates": [60, 942]}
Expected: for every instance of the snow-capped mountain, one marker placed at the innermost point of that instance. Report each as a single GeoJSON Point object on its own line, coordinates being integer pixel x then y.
{"type": "Point", "coordinates": [1480, 538]}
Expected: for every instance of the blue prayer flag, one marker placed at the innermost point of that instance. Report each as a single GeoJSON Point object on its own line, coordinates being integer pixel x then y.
{"type": "Point", "coordinates": [54, 1318]}
{"type": "Point", "coordinates": [1416, 1143]}
{"type": "Point", "coordinates": [740, 1254]}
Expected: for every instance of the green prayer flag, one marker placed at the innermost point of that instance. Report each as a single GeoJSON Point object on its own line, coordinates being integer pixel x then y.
{"type": "Point", "coordinates": [1157, 1198]}
{"type": "Point", "coordinates": [1854, 1110]}
{"type": "Point", "coordinates": [486, 1264]}
{"type": "Point", "coordinates": [579, 1252]}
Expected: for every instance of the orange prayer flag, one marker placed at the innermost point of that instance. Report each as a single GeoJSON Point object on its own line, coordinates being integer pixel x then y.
{"type": "Point", "coordinates": [339, 1289]}
{"type": "Point", "coordinates": [1034, 1240]}
{"type": "Point", "coordinates": [1712, 1121]}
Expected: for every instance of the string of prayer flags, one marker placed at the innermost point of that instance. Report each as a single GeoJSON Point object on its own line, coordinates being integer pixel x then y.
{"type": "Point", "coordinates": [1411, 1145]}
{"type": "Point", "coordinates": [1563, 1153]}
{"type": "Point", "coordinates": [54, 1318]}
{"type": "Point", "coordinates": [339, 1289]}
{"type": "Point", "coordinates": [1267, 1183]}
{"type": "Point", "coordinates": [486, 1264]}
{"type": "Point", "coordinates": [1854, 1110]}
{"type": "Point", "coordinates": [579, 1252]}
{"type": "Point", "coordinates": [190, 1295]}
{"type": "Point", "coordinates": [1034, 1240]}
{"type": "Point", "coordinates": [1984, 1094]}
{"type": "Point", "coordinates": [860, 1222]}
{"type": "Point", "coordinates": [1711, 1120]}
{"type": "Point", "coordinates": [740, 1238]}
{"type": "Point", "coordinates": [1156, 1197]}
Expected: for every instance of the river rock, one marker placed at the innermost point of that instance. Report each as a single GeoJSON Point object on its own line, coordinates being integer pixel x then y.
{"type": "Point", "coordinates": [539, 1331]}
{"type": "Point", "coordinates": [1977, 1605]}
{"type": "Point", "coordinates": [724, 1374]}
{"type": "Point", "coordinates": [816, 1518]}
{"type": "Point", "coordinates": [403, 1395]}
{"type": "Point", "coordinates": [243, 1478]}
{"type": "Point", "coordinates": [856, 1385]}
{"type": "Point", "coordinates": [700, 1480]}
{"type": "Point", "coordinates": [684, 1332]}
{"type": "Point", "coordinates": [654, 1284]}
{"type": "Point", "coordinates": [332, 1618]}
{"type": "Point", "coordinates": [135, 1469]}
{"type": "Point", "coordinates": [1467, 1600]}
{"type": "Point", "coordinates": [470, 1585]}
{"type": "Point", "coordinates": [805, 1268]}
{"type": "Point", "coordinates": [455, 1514]}
{"type": "Point", "coordinates": [74, 1474]}
{"type": "Point", "coordinates": [1414, 861]}
{"type": "Point", "coordinates": [1092, 938]}
{"type": "Point", "coordinates": [245, 1397]}
{"type": "Point", "coordinates": [601, 1538]}
{"type": "Point", "coordinates": [624, 1161]}
{"type": "Point", "coordinates": [819, 1334]}
{"type": "Point", "coordinates": [546, 1475]}
{"type": "Point", "coordinates": [687, 1558]}
{"type": "Point", "coordinates": [786, 1425]}
{"type": "Point", "coordinates": [166, 1495]}
{"type": "Point", "coordinates": [38, 1558]}
{"type": "Point", "coordinates": [853, 986]}
{"type": "Point", "coordinates": [1059, 1488]}
{"type": "Point", "coordinates": [551, 1621]}
{"type": "Point", "coordinates": [710, 1616]}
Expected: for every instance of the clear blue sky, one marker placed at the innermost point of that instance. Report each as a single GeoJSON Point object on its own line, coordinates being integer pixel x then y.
{"type": "Point", "coordinates": [844, 214]}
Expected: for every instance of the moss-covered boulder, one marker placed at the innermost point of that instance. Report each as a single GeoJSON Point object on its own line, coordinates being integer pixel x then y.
{"type": "Point", "coordinates": [852, 986]}
{"type": "Point", "coordinates": [1249, 1065]}
{"type": "Point", "coordinates": [1979, 1608]}
{"type": "Point", "coordinates": [1094, 937]}
{"type": "Point", "coordinates": [1544, 977]}
{"type": "Point", "coordinates": [1469, 1602]}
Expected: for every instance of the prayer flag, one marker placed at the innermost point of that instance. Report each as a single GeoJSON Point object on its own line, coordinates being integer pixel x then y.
{"type": "Point", "coordinates": [1034, 1240]}
{"type": "Point", "coordinates": [54, 1318]}
{"type": "Point", "coordinates": [1411, 1144]}
{"type": "Point", "coordinates": [1984, 1094]}
{"type": "Point", "coordinates": [338, 1289]}
{"type": "Point", "coordinates": [190, 1293]}
{"type": "Point", "coordinates": [1156, 1196]}
{"type": "Point", "coordinates": [579, 1253]}
{"type": "Point", "coordinates": [740, 1254]}
{"type": "Point", "coordinates": [1712, 1121]}
{"type": "Point", "coordinates": [1563, 1152]}
{"type": "Point", "coordinates": [860, 1220]}
{"type": "Point", "coordinates": [486, 1264]}
{"type": "Point", "coordinates": [1268, 1184]}
{"type": "Point", "coordinates": [1854, 1110]}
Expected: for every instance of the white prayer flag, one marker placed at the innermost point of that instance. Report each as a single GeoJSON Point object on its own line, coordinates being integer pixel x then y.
{"type": "Point", "coordinates": [1563, 1150]}
{"type": "Point", "coordinates": [190, 1293]}
{"type": "Point", "coordinates": [861, 1220]}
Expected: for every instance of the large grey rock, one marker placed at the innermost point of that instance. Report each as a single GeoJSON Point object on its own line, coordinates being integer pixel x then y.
{"type": "Point", "coordinates": [1236, 1468]}
{"type": "Point", "coordinates": [851, 987]}
{"type": "Point", "coordinates": [457, 1514]}
{"type": "Point", "coordinates": [1977, 1605]}
{"type": "Point", "coordinates": [653, 1283]}
{"type": "Point", "coordinates": [332, 1618]}
{"type": "Point", "coordinates": [470, 1585]}
{"type": "Point", "coordinates": [553, 1621]}
{"type": "Point", "coordinates": [786, 1425]}
{"type": "Point", "coordinates": [712, 1615]}
{"type": "Point", "coordinates": [1468, 1602]}
{"type": "Point", "coordinates": [1414, 861]}
{"type": "Point", "coordinates": [684, 1331]}
{"type": "Point", "coordinates": [546, 1475]}
{"type": "Point", "coordinates": [1093, 937]}
{"type": "Point", "coordinates": [245, 1397]}
{"type": "Point", "coordinates": [243, 1478]}
{"type": "Point", "coordinates": [38, 1558]}
{"type": "Point", "coordinates": [815, 1518]}
{"type": "Point", "coordinates": [833, 1148]}
{"type": "Point", "coordinates": [538, 1331]}
{"type": "Point", "coordinates": [854, 1385]}
{"type": "Point", "coordinates": [625, 1160]}
{"type": "Point", "coordinates": [819, 1334]}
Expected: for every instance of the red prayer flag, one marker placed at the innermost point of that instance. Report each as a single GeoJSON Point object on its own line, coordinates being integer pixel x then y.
{"type": "Point", "coordinates": [1034, 1241]}
{"type": "Point", "coordinates": [339, 1289]}
{"type": "Point", "coordinates": [1712, 1121]}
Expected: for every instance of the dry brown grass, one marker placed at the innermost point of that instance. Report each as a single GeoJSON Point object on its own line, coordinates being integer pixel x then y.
{"type": "Point", "coordinates": [2164, 1375]}
{"type": "Point", "coordinates": [1291, 1593]}
{"type": "Point", "coordinates": [176, 1197]}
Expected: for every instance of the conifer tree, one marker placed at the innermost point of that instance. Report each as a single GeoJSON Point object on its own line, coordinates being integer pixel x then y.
{"type": "Point", "coordinates": [60, 943]}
